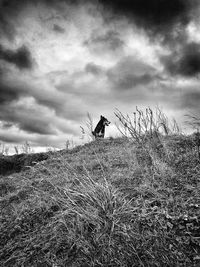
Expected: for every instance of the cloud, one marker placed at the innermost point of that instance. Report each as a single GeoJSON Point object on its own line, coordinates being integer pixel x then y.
{"type": "Point", "coordinates": [184, 62]}
{"type": "Point", "coordinates": [8, 11]}
{"type": "Point", "coordinates": [109, 40]}
{"type": "Point", "coordinates": [155, 16]}
{"type": "Point", "coordinates": [13, 137]}
{"type": "Point", "coordinates": [6, 28]}
{"type": "Point", "coordinates": [5, 125]}
{"type": "Point", "coordinates": [20, 57]}
{"type": "Point", "coordinates": [93, 69]}
{"type": "Point", "coordinates": [11, 12]}
{"type": "Point", "coordinates": [131, 72]}
{"type": "Point", "coordinates": [58, 28]}
{"type": "Point", "coordinates": [130, 80]}
{"type": "Point", "coordinates": [26, 120]}
{"type": "Point", "coordinates": [190, 99]}
{"type": "Point", "coordinates": [10, 93]}
{"type": "Point", "coordinates": [30, 123]}
{"type": "Point", "coordinates": [31, 118]}
{"type": "Point", "coordinates": [66, 105]}
{"type": "Point", "coordinates": [38, 111]}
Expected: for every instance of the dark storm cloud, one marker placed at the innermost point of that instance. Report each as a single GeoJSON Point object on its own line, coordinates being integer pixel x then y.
{"type": "Point", "coordinates": [129, 72]}
{"type": "Point", "coordinates": [36, 126]}
{"type": "Point", "coordinates": [10, 93]}
{"type": "Point", "coordinates": [155, 16]}
{"type": "Point", "coordinates": [12, 10]}
{"type": "Point", "coordinates": [63, 103]}
{"type": "Point", "coordinates": [20, 57]}
{"type": "Point", "coordinates": [8, 11]}
{"type": "Point", "coordinates": [93, 69]}
{"type": "Point", "coordinates": [185, 62]}
{"type": "Point", "coordinates": [27, 119]}
{"type": "Point", "coordinates": [12, 138]}
{"type": "Point", "coordinates": [128, 81]}
{"type": "Point", "coordinates": [6, 28]}
{"type": "Point", "coordinates": [110, 39]}
{"type": "Point", "coordinates": [58, 28]}
{"type": "Point", "coordinates": [6, 125]}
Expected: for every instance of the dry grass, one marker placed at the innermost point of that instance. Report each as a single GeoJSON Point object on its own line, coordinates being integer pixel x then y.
{"type": "Point", "coordinates": [105, 204]}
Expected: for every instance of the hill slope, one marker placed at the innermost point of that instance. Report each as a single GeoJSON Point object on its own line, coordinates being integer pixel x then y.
{"type": "Point", "coordinates": [107, 203]}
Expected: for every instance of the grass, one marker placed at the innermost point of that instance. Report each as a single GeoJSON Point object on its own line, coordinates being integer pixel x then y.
{"type": "Point", "coordinates": [108, 203]}
{"type": "Point", "coordinates": [17, 163]}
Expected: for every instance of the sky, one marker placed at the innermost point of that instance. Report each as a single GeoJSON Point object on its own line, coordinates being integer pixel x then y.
{"type": "Point", "coordinates": [60, 59]}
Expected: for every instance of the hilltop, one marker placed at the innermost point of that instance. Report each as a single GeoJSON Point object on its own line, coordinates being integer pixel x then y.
{"type": "Point", "coordinates": [110, 202]}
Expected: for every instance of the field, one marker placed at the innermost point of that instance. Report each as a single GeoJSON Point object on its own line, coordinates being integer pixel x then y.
{"type": "Point", "coordinates": [110, 202]}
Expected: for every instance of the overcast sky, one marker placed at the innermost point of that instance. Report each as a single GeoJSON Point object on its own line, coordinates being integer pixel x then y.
{"type": "Point", "coordinates": [62, 59]}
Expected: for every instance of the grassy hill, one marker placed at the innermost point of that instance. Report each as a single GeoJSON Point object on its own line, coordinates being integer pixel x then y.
{"type": "Point", "coordinates": [111, 202]}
